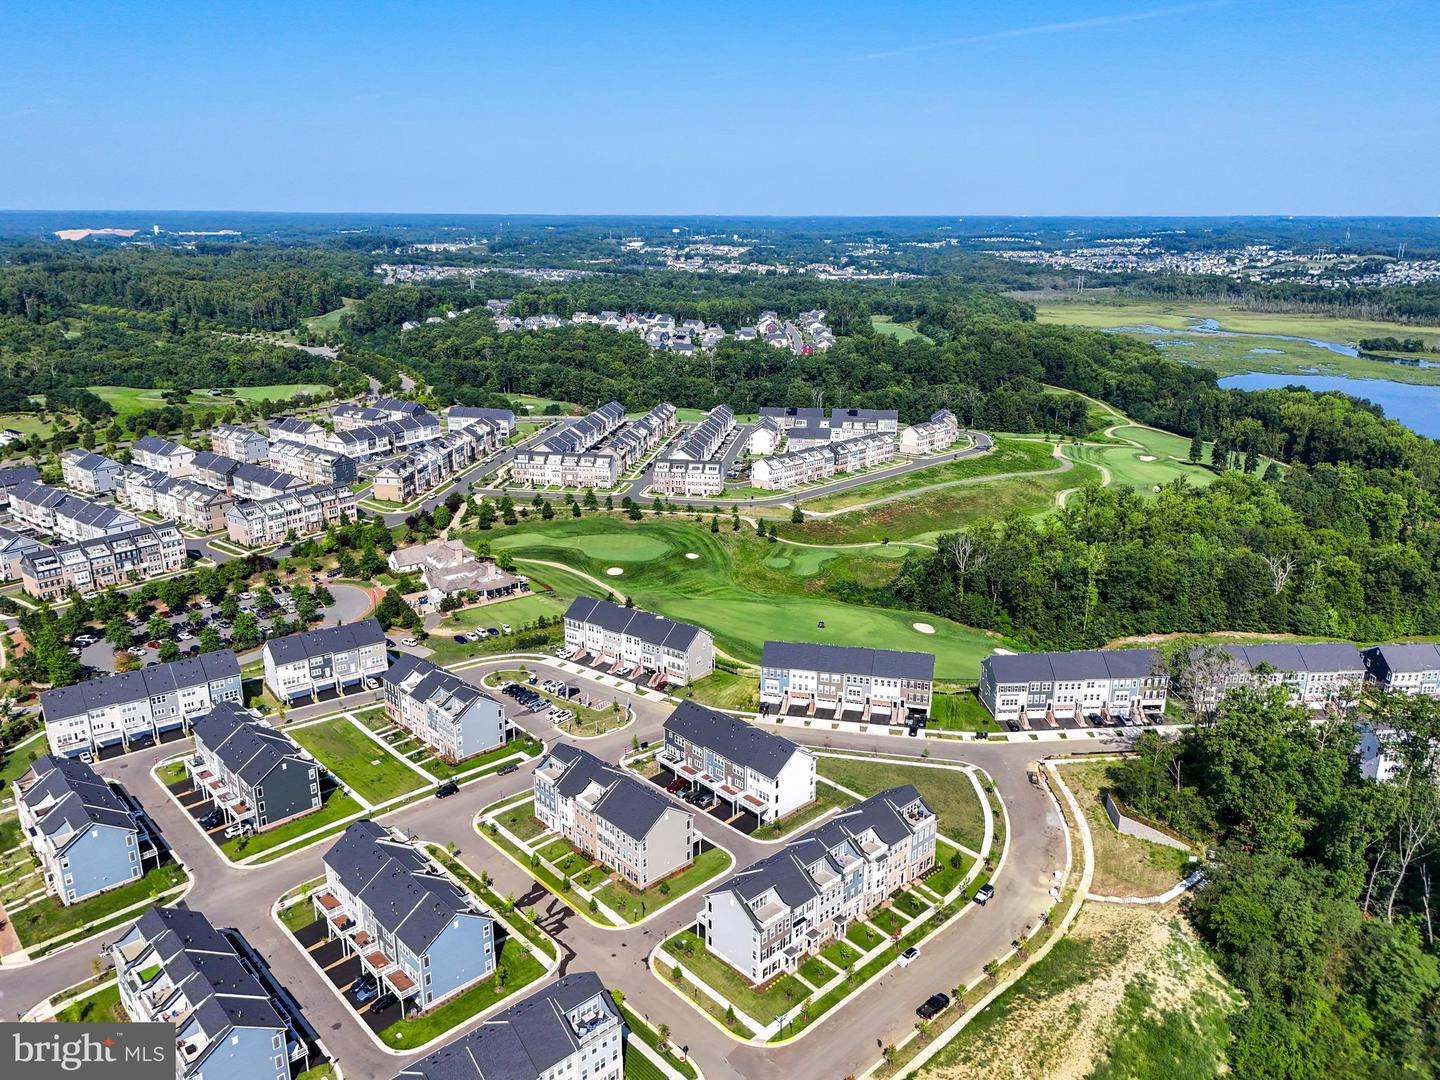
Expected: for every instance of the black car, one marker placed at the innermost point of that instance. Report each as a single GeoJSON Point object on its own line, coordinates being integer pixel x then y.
{"type": "Point", "coordinates": [932, 1005]}
{"type": "Point", "coordinates": [211, 820]}
{"type": "Point", "coordinates": [1012, 725]}
{"type": "Point", "coordinates": [385, 1001]}
{"type": "Point", "coordinates": [445, 790]}
{"type": "Point", "coordinates": [459, 639]}
{"type": "Point", "coordinates": [508, 769]}
{"type": "Point", "coordinates": [363, 988]}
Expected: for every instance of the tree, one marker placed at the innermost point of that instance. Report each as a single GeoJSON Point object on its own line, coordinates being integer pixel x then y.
{"type": "Point", "coordinates": [169, 651]}
{"type": "Point", "coordinates": [246, 631]}
{"type": "Point", "coordinates": [714, 525]}
{"type": "Point", "coordinates": [117, 633]}
{"type": "Point", "coordinates": [157, 626]}
{"type": "Point", "coordinates": [797, 516]}
{"type": "Point", "coordinates": [210, 640]}
{"type": "Point", "coordinates": [485, 516]}
{"type": "Point", "coordinates": [1197, 448]}
{"type": "Point", "coordinates": [547, 512]}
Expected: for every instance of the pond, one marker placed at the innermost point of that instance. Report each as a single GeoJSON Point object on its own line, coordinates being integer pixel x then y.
{"type": "Point", "coordinates": [1417, 407]}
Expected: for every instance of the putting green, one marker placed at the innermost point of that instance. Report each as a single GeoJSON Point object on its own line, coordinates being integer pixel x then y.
{"type": "Point", "coordinates": [611, 547]}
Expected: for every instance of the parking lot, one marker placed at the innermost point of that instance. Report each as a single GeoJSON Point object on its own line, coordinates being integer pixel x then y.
{"type": "Point", "coordinates": [342, 968]}
{"type": "Point", "coordinates": [739, 819]}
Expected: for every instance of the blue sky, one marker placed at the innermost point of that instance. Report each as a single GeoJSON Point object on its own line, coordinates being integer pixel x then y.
{"type": "Point", "coordinates": [1098, 107]}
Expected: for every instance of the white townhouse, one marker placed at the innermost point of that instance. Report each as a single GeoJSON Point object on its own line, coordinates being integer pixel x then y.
{"type": "Point", "coordinates": [425, 467]}
{"type": "Point", "coordinates": [138, 554]}
{"type": "Point", "coordinates": [704, 440]}
{"type": "Point", "coordinates": [70, 517]}
{"type": "Point", "coordinates": [1315, 674]}
{"type": "Point", "coordinates": [616, 819]}
{"type": "Point", "coordinates": [1412, 669]}
{"type": "Point", "coordinates": [765, 437]}
{"type": "Point", "coordinates": [1123, 683]}
{"type": "Point", "coordinates": [127, 708]}
{"type": "Point", "coordinates": [463, 416]}
{"type": "Point", "coordinates": [240, 443]}
{"type": "Point", "coordinates": [312, 661]}
{"type": "Point", "coordinates": [681, 476]}
{"type": "Point", "coordinates": [312, 464]}
{"type": "Point", "coordinates": [300, 511]}
{"type": "Point", "coordinates": [873, 685]}
{"type": "Point", "coordinates": [848, 423]}
{"type": "Point", "coordinates": [256, 482]}
{"type": "Point", "coordinates": [213, 469]}
{"type": "Point", "coordinates": [789, 418]}
{"type": "Point", "coordinates": [383, 437]}
{"type": "Point", "coordinates": [767, 919]}
{"type": "Point", "coordinates": [936, 434]}
{"type": "Point", "coordinates": [795, 469]}
{"type": "Point", "coordinates": [454, 718]}
{"type": "Point", "coordinates": [637, 644]}
{"type": "Point", "coordinates": [14, 547]}
{"type": "Point", "coordinates": [294, 429]}
{"type": "Point", "coordinates": [540, 468]}
{"type": "Point", "coordinates": [162, 455]}
{"type": "Point", "coordinates": [185, 499]}
{"type": "Point", "coordinates": [752, 769]}
{"type": "Point", "coordinates": [863, 452]}
{"type": "Point", "coordinates": [89, 473]}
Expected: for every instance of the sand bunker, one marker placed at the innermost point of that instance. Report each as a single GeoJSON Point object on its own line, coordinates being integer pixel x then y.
{"type": "Point", "coordinates": [691, 555]}
{"type": "Point", "coordinates": [923, 627]}
{"type": "Point", "coordinates": [615, 571]}
{"type": "Point", "coordinates": [1147, 457]}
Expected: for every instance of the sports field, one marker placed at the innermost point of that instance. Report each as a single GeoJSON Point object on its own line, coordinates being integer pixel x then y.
{"type": "Point", "coordinates": [126, 400]}
{"type": "Point", "coordinates": [360, 762]}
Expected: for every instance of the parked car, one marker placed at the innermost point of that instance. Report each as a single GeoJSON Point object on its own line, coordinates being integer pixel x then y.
{"type": "Point", "coordinates": [491, 631]}
{"type": "Point", "coordinates": [932, 1006]}
{"type": "Point", "coordinates": [909, 956]}
{"type": "Point", "coordinates": [505, 628]}
{"type": "Point", "coordinates": [984, 893]}
{"type": "Point", "coordinates": [152, 644]}
{"type": "Point", "coordinates": [474, 635]}
{"type": "Point", "coordinates": [136, 650]}
{"type": "Point", "coordinates": [372, 683]}
{"type": "Point", "coordinates": [506, 770]}
{"type": "Point", "coordinates": [445, 790]}
{"type": "Point", "coordinates": [237, 830]}
{"type": "Point", "coordinates": [365, 988]}
{"type": "Point", "coordinates": [409, 642]}
{"type": "Point", "coordinates": [460, 639]}
{"type": "Point", "coordinates": [211, 820]}
{"type": "Point", "coordinates": [674, 787]}
{"type": "Point", "coordinates": [385, 1001]}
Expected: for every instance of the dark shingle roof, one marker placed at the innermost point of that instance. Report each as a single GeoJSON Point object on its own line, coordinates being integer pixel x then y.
{"type": "Point", "coordinates": [631, 805]}
{"type": "Point", "coordinates": [1412, 656]}
{"type": "Point", "coordinates": [732, 739]}
{"type": "Point", "coordinates": [79, 797]}
{"type": "Point", "coordinates": [1320, 656]}
{"type": "Point", "coordinates": [883, 663]}
{"type": "Point", "coordinates": [331, 639]}
{"type": "Point", "coordinates": [248, 748]}
{"type": "Point", "coordinates": [152, 681]}
{"type": "Point", "coordinates": [1069, 666]}
{"type": "Point", "coordinates": [648, 627]}
{"type": "Point", "coordinates": [18, 474]}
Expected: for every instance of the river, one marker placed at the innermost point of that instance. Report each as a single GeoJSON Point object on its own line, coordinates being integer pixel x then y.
{"type": "Point", "coordinates": [1415, 406]}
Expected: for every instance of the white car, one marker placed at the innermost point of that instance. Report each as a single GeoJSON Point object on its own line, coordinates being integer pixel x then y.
{"type": "Point", "coordinates": [372, 684]}
{"type": "Point", "coordinates": [74, 650]}
{"type": "Point", "coordinates": [474, 635]}
{"type": "Point", "coordinates": [409, 642]}
{"type": "Point", "coordinates": [236, 830]}
{"type": "Point", "coordinates": [909, 956]}
{"type": "Point", "coordinates": [184, 636]}
{"type": "Point", "coordinates": [505, 628]}
{"type": "Point", "coordinates": [247, 595]}
{"type": "Point", "coordinates": [89, 595]}
{"type": "Point", "coordinates": [136, 650]}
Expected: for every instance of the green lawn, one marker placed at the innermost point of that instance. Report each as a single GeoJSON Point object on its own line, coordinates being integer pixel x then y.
{"type": "Point", "coordinates": [338, 806]}
{"type": "Point", "coordinates": [795, 822]}
{"type": "Point", "coordinates": [815, 971]}
{"type": "Point", "coordinates": [634, 904]}
{"type": "Point", "coordinates": [901, 332]}
{"type": "Point", "coordinates": [1124, 865]}
{"type": "Point", "coordinates": [1128, 467]}
{"type": "Point", "coordinates": [960, 712]}
{"type": "Point", "coordinates": [863, 936]}
{"type": "Point", "coordinates": [951, 866]}
{"type": "Point", "coordinates": [331, 319]}
{"type": "Point", "coordinates": [949, 792]}
{"type": "Point", "coordinates": [48, 918]}
{"type": "Point", "coordinates": [722, 690]}
{"type": "Point", "coordinates": [520, 820]}
{"type": "Point", "coordinates": [488, 761]}
{"type": "Point", "coordinates": [521, 969]}
{"type": "Point", "coordinates": [639, 1067]}
{"type": "Point", "coordinates": [17, 762]}
{"type": "Point", "coordinates": [99, 1007]}
{"type": "Point", "coordinates": [840, 954]}
{"type": "Point", "coordinates": [357, 760]}
{"type": "Point", "coordinates": [651, 1038]}
{"type": "Point", "coordinates": [127, 400]}
{"type": "Point", "coordinates": [764, 1004]}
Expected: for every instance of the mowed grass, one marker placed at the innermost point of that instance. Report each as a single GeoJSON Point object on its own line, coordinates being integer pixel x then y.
{"type": "Point", "coordinates": [949, 792]}
{"type": "Point", "coordinates": [1127, 466]}
{"type": "Point", "coordinates": [901, 332]}
{"type": "Point", "coordinates": [1124, 865]}
{"type": "Point", "coordinates": [513, 613]}
{"type": "Point", "coordinates": [126, 400]}
{"type": "Point", "coordinates": [331, 319]}
{"type": "Point", "coordinates": [358, 761]}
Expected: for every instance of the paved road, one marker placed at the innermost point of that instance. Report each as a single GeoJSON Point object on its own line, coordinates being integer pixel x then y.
{"type": "Point", "coordinates": [841, 1045]}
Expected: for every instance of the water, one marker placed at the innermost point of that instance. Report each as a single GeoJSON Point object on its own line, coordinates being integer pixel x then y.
{"type": "Point", "coordinates": [1417, 407]}
{"type": "Point", "coordinates": [1211, 326]}
{"type": "Point", "coordinates": [1268, 352]}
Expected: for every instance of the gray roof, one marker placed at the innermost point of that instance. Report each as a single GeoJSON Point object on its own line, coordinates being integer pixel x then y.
{"type": "Point", "coordinates": [782, 413]}
{"type": "Point", "coordinates": [1320, 656]}
{"type": "Point", "coordinates": [87, 460]}
{"type": "Point", "coordinates": [731, 738]}
{"type": "Point", "coordinates": [631, 805]}
{"type": "Point", "coordinates": [153, 444]}
{"type": "Point", "coordinates": [851, 659]}
{"type": "Point", "coordinates": [210, 461]}
{"type": "Point", "coordinates": [11, 475]}
{"type": "Point", "coordinates": [475, 412]}
{"type": "Point", "coordinates": [1080, 664]}
{"type": "Point", "coordinates": [397, 883]}
{"type": "Point", "coordinates": [247, 747]}
{"type": "Point", "coordinates": [331, 639]}
{"type": "Point", "coordinates": [442, 688]}
{"type": "Point", "coordinates": [521, 1043]}
{"type": "Point", "coordinates": [79, 797]}
{"type": "Point", "coordinates": [1411, 656]}
{"type": "Point", "coordinates": [841, 415]}
{"type": "Point", "coordinates": [292, 425]}
{"type": "Point", "coordinates": [152, 681]}
{"type": "Point", "coordinates": [648, 627]}
{"type": "Point", "coordinates": [264, 476]}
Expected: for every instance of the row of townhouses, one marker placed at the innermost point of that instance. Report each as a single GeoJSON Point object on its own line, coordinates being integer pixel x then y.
{"type": "Point", "coordinates": [821, 461]}
{"type": "Point", "coordinates": [332, 658]}
{"type": "Point", "coordinates": [883, 686]}
{"type": "Point", "coordinates": [303, 512]}
{"type": "Point", "coordinates": [89, 473]}
{"type": "Point", "coordinates": [586, 432]}
{"type": "Point", "coordinates": [936, 434]}
{"type": "Point", "coordinates": [501, 421]}
{"type": "Point", "coordinates": [312, 464]}
{"type": "Point", "coordinates": [162, 455]}
{"type": "Point", "coordinates": [12, 476]}
{"type": "Point", "coordinates": [751, 769]}
{"type": "Point", "coordinates": [704, 440]}
{"type": "Point", "coordinates": [14, 546]}
{"type": "Point", "coordinates": [255, 775]}
{"type": "Point", "coordinates": [427, 466]}
{"type": "Point", "coordinates": [452, 717]}
{"type": "Point", "coordinates": [348, 416]}
{"type": "Point", "coordinates": [240, 443]}
{"type": "Point", "coordinates": [139, 553]}
{"type": "Point", "coordinates": [636, 644]}
{"type": "Point", "coordinates": [53, 512]}
{"type": "Point", "coordinates": [186, 499]}
{"type": "Point", "coordinates": [638, 437]}
{"type": "Point", "coordinates": [385, 437]}
{"type": "Point", "coordinates": [256, 482]}
{"type": "Point", "coordinates": [546, 468]}
{"type": "Point", "coordinates": [87, 838]}
{"type": "Point", "coordinates": [612, 817]}
{"type": "Point", "coordinates": [681, 476]}
{"type": "Point", "coordinates": [138, 707]}
{"type": "Point", "coordinates": [843, 423]}
{"type": "Point", "coordinates": [1116, 683]}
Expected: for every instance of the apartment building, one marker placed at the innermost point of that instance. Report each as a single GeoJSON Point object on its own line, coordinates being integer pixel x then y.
{"type": "Point", "coordinates": [539, 468]}
{"type": "Point", "coordinates": [186, 499]}
{"type": "Point", "coordinates": [464, 416]}
{"type": "Point", "coordinates": [794, 469]}
{"type": "Point", "coordinates": [765, 920]}
{"type": "Point", "coordinates": [1405, 669]}
{"type": "Point", "coordinates": [1314, 675]}
{"type": "Point", "coordinates": [681, 476]}
{"type": "Point", "coordinates": [240, 443]}
{"type": "Point", "coordinates": [571, 1030]}
{"type": "Point", "coordinates": [294, 429]}
{"type": "Point", "coordinates": [86, 837]}
{"type": "Point", "coordinates": [753, 770]}
{"type": "Point", "coordinates": [312, 464]}
{"type": "Point", "coordinates": [765, 437]}
{"type": "Point", "coordinates": [14, 546]}
{"type": "Point", "coordinates": [638, 437]}
{"type": "Point", "coordinates": [332, 658]}
{"type": "Point", "coordinates": [256, 775]}
{"type": "Point", "coordinates": [1115, 683]}
{"type": "Point", "coordinates": [232, 1018]}
{"type": "Point", "coordinates": [425, 467]}
{"type": "Point", "coordinates": [138, 707]}
{"type": "Point", "coordinates": [850, 423]}
{"type": "Point", "coordinates": [849, 682]}
{"type": "Point", "coordinates": [258, 482]}
{"type": "Point", "coordinates": [12, 476]}
{"type": "Point", "coordinates": [383, 437]}
{"type": "Point", "coordinates": [162, 455]}
{"type": "Point", "coordinates": [57, 513]}
{"type": "Point", "coordinates": [454, 718]}
{"type": "Point", "coordinates": [637, 644]}
{"type": "Point", "coordinates": [936, 434]}
{"type": "Point", "coordinates": [301, 512]}
{"type": "Point", "coordinates": [706, 438]}
{"type": "Point", "coordinates": [89, 473]}
{"type": "Point", "coordinates": [138, 554]}
{"type": "Point", "coordinates": [808, 436]}
{"type": "Point", "coordinates": [611, 816]}
{"type": "Point", "coordinates": [586, 432]}
{"type": "Point", "coordinates": [415, 930]}
{"type": "Point", "coordinates": [863, 452]}
{"type": "Point", "coordinates": [381, 409]}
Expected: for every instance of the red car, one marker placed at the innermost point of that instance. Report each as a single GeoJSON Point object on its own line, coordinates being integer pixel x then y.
{"type": "Point", "coordinates": [152, 644]}
{"type": "Point", "coordinates": [676, 786]}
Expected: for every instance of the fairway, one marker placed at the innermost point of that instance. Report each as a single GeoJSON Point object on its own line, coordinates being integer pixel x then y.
{"type": "Point", "coordinates": [126, 400]}
{"type": "Point", "coordinates": [352, 755]}
{"type": "Point", "coordinates": [1126, 464]}
{"type": "Point", "coordinates": [901, 332]}
{"type": "Point", "coordinates": [631, 547]}
{"type": "Point", "coordinates": [331, 319]}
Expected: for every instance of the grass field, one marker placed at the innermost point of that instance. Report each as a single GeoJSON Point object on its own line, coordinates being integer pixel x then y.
{"type": "Point", "coordinates": [1124, 865]}
{"type": "Point", "coordinates": [732, 591]}
{"type": "Point", "coordinates": [357, 760]}
{"type": "Point", "coordinates": [537, 405]}
{"type": "Point", "coordinates": [126, 400]}
{"type": "Point", "coordinates": [901, 332]}
{"type": "Point", "coordinates": [331, 319]}
{"type": "Point", "coordinates": [1169, 459]}
{"type": "Point", "coordinates": [97, 1008]}
{"type": "Point", "coordinates": [521, 611]}
{"type": "Point", "coordinates": [764, 1003]}
{"type": "Point", "coordinates": [48, 918]}
{"type": "Point", "coordinates": [337, 807]}
{"type": "Point", "coordinates": [949, 793]}
{"type": "Point", "coordinates": [634, 904]}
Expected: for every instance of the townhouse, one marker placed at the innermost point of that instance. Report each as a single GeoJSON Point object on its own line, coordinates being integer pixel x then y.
{"type": "Point", "coordinates": [162, 455]}
{"type": "Point", "coordinates": [240, 443]}
{"type": "Point", "coordinates": [232, 1018]}
{"type": "Point", "coordinates": [258, 482]}
{"type": "Point", "coordinates": [1405, 669]}
{"type": "Point", "coordinates": [638, 437]}
{"type": "Point", "coordinates": [753, 770]}
{"type": "Point", "coordinates": [793, 469]}
{"type": "Point", "coordinates": [1315, 675]}
{"type": "Point", "coordinates": [89, 473]}
{"type": "Point", "coordinates": [305, 664]}
{"type": "Point", "coordinates": [540, 468]}
{"type": "Point", "coordinates": [849, 423]}
{"type": "Point", "coordinates": [414, 929]}
{"type": "Point", "coordinates": [255, 775]}
{"type": "Point", "coordinates": [1115, 683]}
{"type": "Point", "coordinates": [70, 517]}
{"type": "Point", "coordinates": [312, 464]}
{"type": "Point", "coordinates": [765, 437]}
{"type": "Point", "coordinates": [586, 432]}
{"type": "Point", "coordinates": [936, 434]}
{"type": "Point", "coordinates": [876, 685]}
{"type": "Point", "coordinates": [86, 837]}
{"type": "Point", "coordinates": [637, 644]}
{"type": "Point", "coordinates": [383, 437]}
{"type": "Point", "coordinates": [293, 429]}
{"type": "Point", "coordinates": [425, 467]}
{"type": "Point", "coordinates": [301, 512]}
{"type": "Point", "coordinates": [213, 469]}
{"type": "Point", "coordinates": [14, 546]}
{"type": "Point", "coordinates": [808, 436]}
{"type": "Point", "coordinates": [789, 418]}
{"type": "Point", "coordinates": [704, 440]}
{"type": "Point", "coordinates": [571, 1030]}
{"type": "Point", "coordinates": [863, 451]}
{"type": "Point", "coordinates": [765, 920]}
{"type": "Point", "coordinates": [138, 554]}
{"type": "Point", "coordinates": [447, 568]}
{"type": "Point", "coordinates": [138, 706]}
{"type": "Point", "coordinates": [185, 499]}
{"type": "Point", "coordinates": [12, 476]}
{"type": "Point", "coordinates": [681, 476]}
{"type": "Point", "coordinates": [619, 821]}
{"type": "Point", "coordinates": [454, 718]}
{"type": "Point", "coordinates": [463, 416]}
